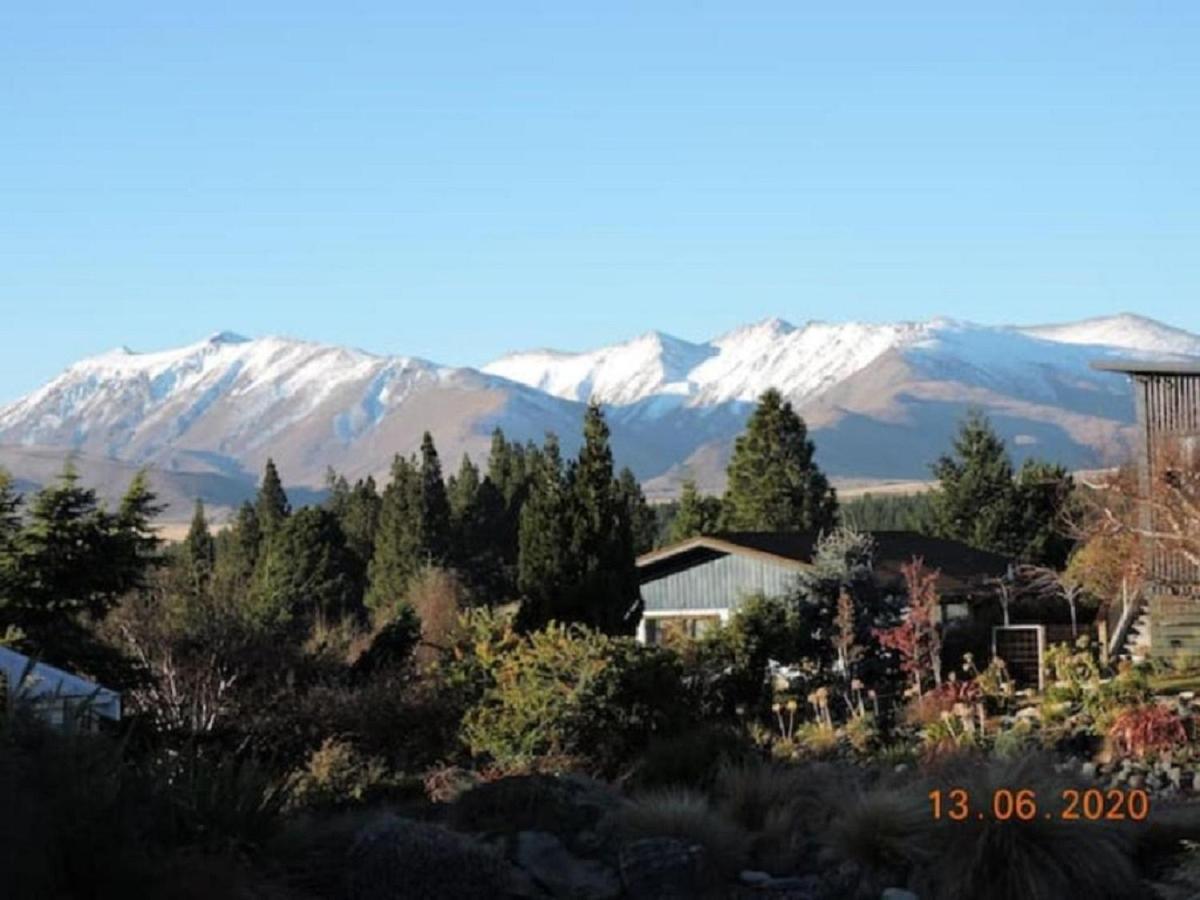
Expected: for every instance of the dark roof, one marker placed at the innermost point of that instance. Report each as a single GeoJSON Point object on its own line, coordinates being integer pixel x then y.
{"type": "Point", "coordinates": [958, 563]}
{"type": "Point", "coordinates": [1190, 366]}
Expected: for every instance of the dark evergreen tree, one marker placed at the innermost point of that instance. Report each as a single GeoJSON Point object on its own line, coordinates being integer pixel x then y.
{"type": "Point", "coordinates": [976, 501]}
{"type": "Point", "coordinates": [462, 487]}
{"type": "Point", "coordinates": [773, 482]}
{"type": "Point", "coordinates": [10, 526]}
{"type": "Point", "coordinates": [237, 557]}
{"type": "Point", "coordinates": [396, 557]}
{"type": "Point", "coordinates": [643, 523]}
{"type": "Point", "coordinates": [604, 591]}
{"type": "Point", "coordinates": [888, 512]}
{"type": "Point", "coordinates": [509, 470]}
{"type": "Point", "coordinates": [433, 527]}
{"type": "Point", "coordinates": [1044, 500]}
{"type": "Point", "coordinates": [697, 514]}
{"type": "Point", "coordinates": [271, 504]}
{"type": "Point", "coordinates": [72, 561]}
{"type": "Point", "coordinates": [359, 518]}
{"type": "Point", "coordinates": [199, 552]}
{"type": "Point", "coordinates": [544, 558]}
{"type": "Point", "coordinates": [305, 570]}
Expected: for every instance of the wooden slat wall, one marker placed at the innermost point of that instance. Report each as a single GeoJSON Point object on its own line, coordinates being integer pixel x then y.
{"type": "Point", "coordinates": [1170, 405]}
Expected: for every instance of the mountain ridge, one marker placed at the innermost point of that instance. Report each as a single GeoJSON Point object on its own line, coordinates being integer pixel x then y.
{"type": "Point", "coordinates": [881, 399]}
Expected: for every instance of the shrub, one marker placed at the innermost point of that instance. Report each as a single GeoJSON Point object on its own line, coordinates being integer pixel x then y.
{"type": "Point", "coordinates": [815, 740]}
{"type": "Point", "coordinates": [689, 759]}
{"type": "Point", "coordinates": [687, 815]}
{"type": "Point", "coordinates": [337, 773]}
{"type": "Point", "coordinates": [1147, 730]}
{"type": "Point", "coordinates": [567, 691]}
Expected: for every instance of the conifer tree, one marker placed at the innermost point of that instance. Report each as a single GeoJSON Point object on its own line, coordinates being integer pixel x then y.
{"type": "Point", "coordinates": [643, 523]}
{"type": "Point", "coordinates": [359, 519]}
{"type": "Point", "coordinates": [462, 487]}
{"type": "Point", "coordinates": [604, 591]}
{"type": "Point", "coordinates": [697, 514]}
{"type": "Point", "coordinates": [305, 570]}
{"type": "Point", "coordinates": [1044, 499]}
{"type": "Point", "coordinates": [271, 504]}
{"type": "Point", "coordinates": [434, 508]}
{"type": "Point", "coordinates": [139, 506]}
{"type": "Point", "coordinates": [10, 525]}
{"type": "Point", "coordinates": [200, 552]}
{"type": "Point", "coordinates": [773, 482]}
{"type": "Point", "coordinates": [397, 544]}
{"type": "Point", "coordinates": [976, 501]}
{"type": "Point", "coordinates": [542, 573]}
{"type": "Point", "coordinates": [237, 551]}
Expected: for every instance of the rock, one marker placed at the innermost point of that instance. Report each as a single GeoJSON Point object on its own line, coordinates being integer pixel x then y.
{"type": "Point", "coordinates": [395, 857]}
{"type": "Point", "coordinates": [1088, 770]}
{"type": "Point", "coordinates": [662, 867]}
{"type": "Point", "coordinates": [561, 873]}
{"type": "Point", "coordinates": [752, 876]}
{"type": "Point", "coordinates": [1137, 781]}
{"type": "Point", "coordinates": [901, 768]}
{"type": "Point", "coordinates": [895, 893]}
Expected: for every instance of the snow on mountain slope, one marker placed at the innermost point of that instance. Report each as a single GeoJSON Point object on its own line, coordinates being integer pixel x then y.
{"type": "Point", "coordinates": [1126, 331]}
{"type": "Point", "coordinates": [226, 403]}
{"type": "Point", "coordinates": [803, 362]}
{"type": "Point", "coordinates": [653, 363]}
{"type": "Point", "coordinates": [881, 398]}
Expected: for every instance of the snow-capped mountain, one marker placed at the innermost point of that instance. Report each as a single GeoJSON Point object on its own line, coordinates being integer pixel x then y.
{"type": "Point", "coordinates": [881, 399]}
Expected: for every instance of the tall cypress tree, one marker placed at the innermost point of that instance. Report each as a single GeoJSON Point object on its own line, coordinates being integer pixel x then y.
{"type": "Point", "coordinates": [604, 593]}
{"type": "Point", "coordinates": [773, 482]}
{"type": "Point", "coordinates": [271, 503]}
{"type": "Point", "coordinates": [434, 519]}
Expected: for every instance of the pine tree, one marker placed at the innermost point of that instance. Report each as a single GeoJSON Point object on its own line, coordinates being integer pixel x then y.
{"type": "Point", "coordinates": [773, 482]}
{"type": "Point", "coordinates": [696, 515]}
{"type": "Point", "coordinates": [271, 503]}
{"type": "Point", "coordinates": [434, 520]}
{"type": "Point", "coordinates": [643, 523]}
{"type": "Point", "coordinates": [604, 593]}
{"type": "Point", "coordinates": [542, 573]}
{"type": "Point", "coordinates": [1044, 496]}
{"type": "Point", "coordinates": [462, 488]}
{"type": "Point", "coordinates": [74, 561]}
{"type": "Point", "coordinates": [396, 557]}
{"type": "Point", "coordinates": [237, 551]}
{"type": "Point", "coordinates": [976, 501]}
{"type": "Point", "coordinates": [10, 526]}
{"type": "Point", "coordinates": [305, 570]}
{"type": "Point", "coordinates": [358, 516]}
{"type": "Point", "coordinates": [200, 552]}
{"type": "Point", "coordinates": [141, 544]}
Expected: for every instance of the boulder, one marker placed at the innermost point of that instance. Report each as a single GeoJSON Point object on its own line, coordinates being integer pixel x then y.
{"type": "Point", "coordinates": [394, 857]}
{"type": "Point", "coordinates": [563, 875]}
{"type": "Point", "coordinates": [662, 867]}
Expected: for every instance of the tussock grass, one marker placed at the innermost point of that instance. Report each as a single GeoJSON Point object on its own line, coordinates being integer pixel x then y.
{"type": "Point", "coordinates": [687, 815]}
{"type": "Point", "coordinates": [890, 830]}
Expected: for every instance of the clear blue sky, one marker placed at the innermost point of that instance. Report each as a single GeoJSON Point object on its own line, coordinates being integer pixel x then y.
{"type": "Point", "coordinates": [454, 180]}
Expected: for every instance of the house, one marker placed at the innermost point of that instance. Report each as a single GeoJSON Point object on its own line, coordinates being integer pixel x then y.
{"type": "Point", "coordinates": [1165, 620]}
{"type": "Point", "coordinates": [698, 583]}
{"type": "Point", "coordinates": [59, 698]}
